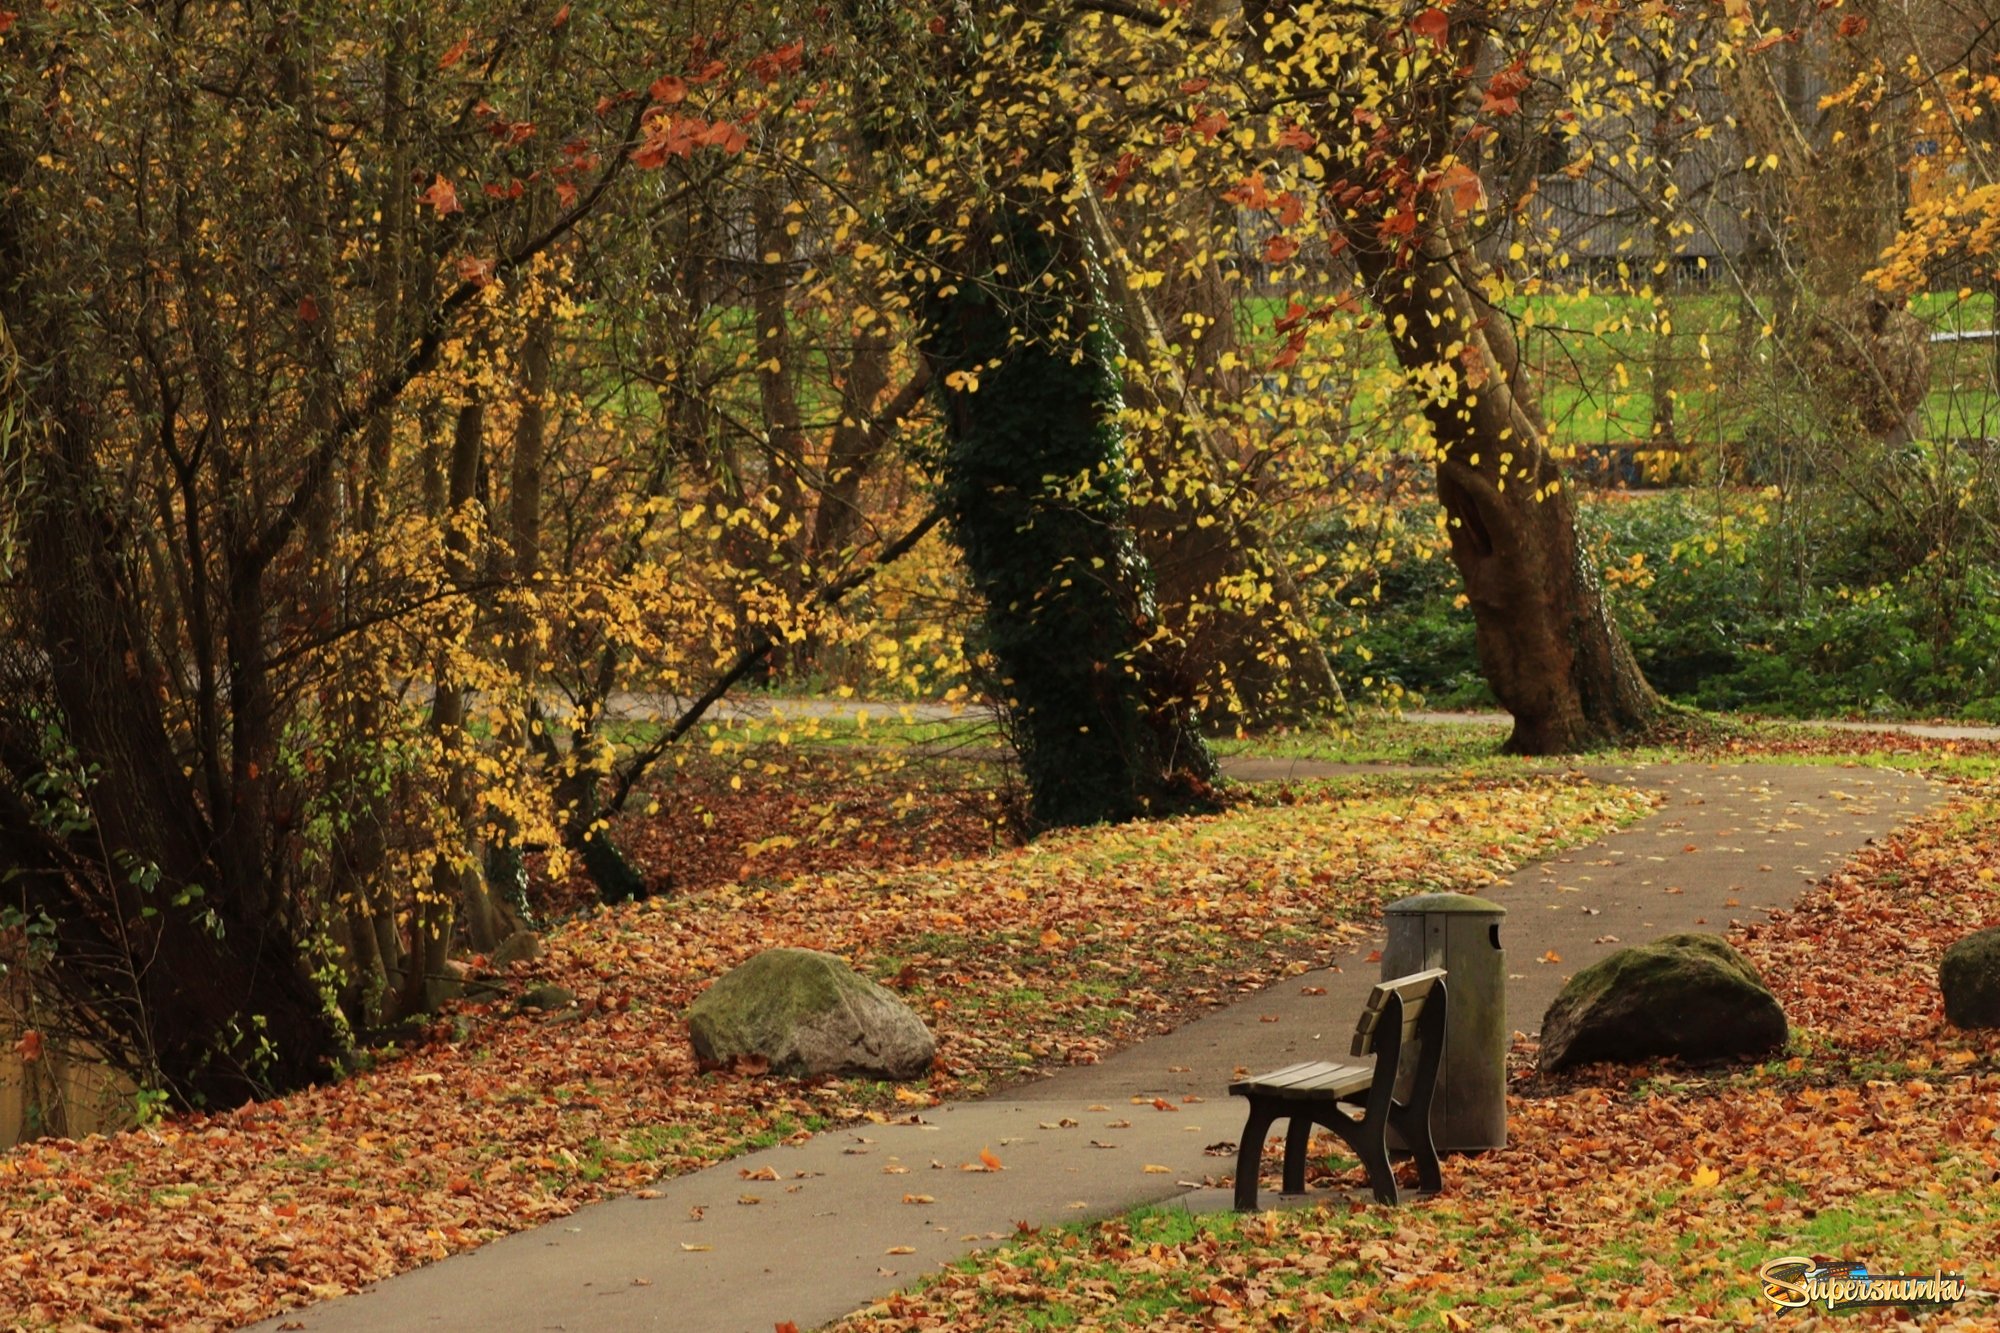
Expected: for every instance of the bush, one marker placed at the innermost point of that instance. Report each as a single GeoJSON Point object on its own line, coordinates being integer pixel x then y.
{"type": "Point", "coordinates": [1727, 608]}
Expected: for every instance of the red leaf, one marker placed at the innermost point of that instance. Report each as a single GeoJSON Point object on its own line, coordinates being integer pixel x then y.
{"type": "Point", "coordinates": [457, 53]}
{"type": "Point", "coordinates": [562, 17]}
{"type": "Point", "coordinates": [7, 17]}
{"type": "Point", "coordinates": [786, 1326]}
{"type": "Point", "coordinates": [1851, 26]}
{"type": "Point", "coordinates": [669, 89]}
{"type": "Point", "coordinates": [1462, 184]}
{"type": "Point", "coordinates": [443, 196]}
{"type": "Point", "coordinates": [1279, 248]}
{"type": "Point", "coordinates": [1293, 137]}
{"type": "Point", "coordinates": [1375, 957]}
{"type": "Point", "coordinates": [308, 309]}
{"type": "Point", "coordinates": [1212, 124]}
{"type": "Point", "coordinates": [1433, 24]}
{"type": "Point", "coordinates": [29, 1047]}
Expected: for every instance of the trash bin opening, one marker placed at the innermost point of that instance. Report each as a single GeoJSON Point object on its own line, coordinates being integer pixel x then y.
{"type": "Point", "coordinates": [1493, 933]}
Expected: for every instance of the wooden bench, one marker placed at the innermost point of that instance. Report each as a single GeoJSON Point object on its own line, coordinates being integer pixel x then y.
{"type": "Point", "coordinates": [1403, 1028]}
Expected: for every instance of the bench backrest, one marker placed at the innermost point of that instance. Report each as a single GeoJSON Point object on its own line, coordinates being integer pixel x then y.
{"type": "Point", "coordinates": [1397, 1005]}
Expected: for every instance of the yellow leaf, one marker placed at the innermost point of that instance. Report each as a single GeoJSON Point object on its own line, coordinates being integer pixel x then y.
{"type": "Point", "coordinates": [1706, 1178]}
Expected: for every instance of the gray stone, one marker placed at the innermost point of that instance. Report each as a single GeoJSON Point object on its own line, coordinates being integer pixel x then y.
{"type": "Point", "coordinates": [546, 996]}
{"type": "Point", "coordinates": [809, 1013]}
{"type": "Point", "coordinates": [1690, 996]}
{"type": "Point", "coordinates": [1969, 976]}
{"type": "Point", "coordinates": [523, 946]}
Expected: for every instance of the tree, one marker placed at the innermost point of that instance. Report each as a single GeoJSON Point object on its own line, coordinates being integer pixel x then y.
{"type": "Point", "coordinates": [1388, 122]}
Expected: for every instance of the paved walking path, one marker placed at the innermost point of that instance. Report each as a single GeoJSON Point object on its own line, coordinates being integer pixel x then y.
{"type": "Point", "coordinates": [857, 1212]}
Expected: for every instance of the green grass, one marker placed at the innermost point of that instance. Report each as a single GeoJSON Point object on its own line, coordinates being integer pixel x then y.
{"type": "Point", "coordinates": [1593, 356]}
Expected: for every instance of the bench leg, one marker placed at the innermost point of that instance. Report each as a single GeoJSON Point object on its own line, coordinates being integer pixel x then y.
{"type": "Point", "coordinates": [1371, 1145]}
{"type": "Point", "coordinates": [1298, 1134]}
{"type": "Point", "coordinates": [1414, 1125]}
{"type": "Point", "coordinates": [1250, 1155]}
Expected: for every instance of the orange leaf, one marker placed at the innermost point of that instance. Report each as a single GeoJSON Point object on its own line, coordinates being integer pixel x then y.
{"type": "Point", "coordinates": [1552, 957]}
{"type": "Point", "coordinates": [668, 89]}
{"type": "Point", "coordinates": [1279, 248]}
{"type": "Point", "coordinates": [785, 1326]}
{"type": "Point", "coordinates": [29, 1047]}
{"type": "Point", "coordinates": [1375, 957]}
{"type": "Point", "coordinates": [457, 52]}
{"type": "Point", "coordinates": [992, 1162]}
{"type": "Point", "coordinates": [7, 17]}
{"type": "Point", "coordinates": [443, 196]}
{"type": "Point", "coordinates": [1462, 184]}
{"type": "Point", "coordinates": [1432, 24]}
{"type": "Point", "coordinates": [460, 1185]}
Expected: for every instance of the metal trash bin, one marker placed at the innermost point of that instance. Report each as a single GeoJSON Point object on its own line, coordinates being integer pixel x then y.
{"type": "Point", "coordinates": [1460, 934]}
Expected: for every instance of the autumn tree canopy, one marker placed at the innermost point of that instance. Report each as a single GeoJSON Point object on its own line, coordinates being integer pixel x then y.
{"type": "Point", "coordinates": [395, 400]}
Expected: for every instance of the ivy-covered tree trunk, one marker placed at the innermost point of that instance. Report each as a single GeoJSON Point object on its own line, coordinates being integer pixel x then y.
{"type": "Point", "coordinates": [1033, 479]}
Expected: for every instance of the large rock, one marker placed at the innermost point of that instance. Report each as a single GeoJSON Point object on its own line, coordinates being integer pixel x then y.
{"type": "Point", "coordinates": [1690, 996]}
{"type": "Point", "coordinates": [809, 1013]}
{"type": "Point", "coordinates": [1969, 976]}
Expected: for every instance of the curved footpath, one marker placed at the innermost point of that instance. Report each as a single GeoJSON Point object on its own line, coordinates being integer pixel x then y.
{"type": "Point", "coordinates": [1728, 842]}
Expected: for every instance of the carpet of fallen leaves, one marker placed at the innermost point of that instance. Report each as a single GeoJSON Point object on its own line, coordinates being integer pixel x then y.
{"type": "Point", "coordinates": [1047, 953]}
{"type": "Point", "coordinates": [769, 813]}
{"type": "Point", "coordinates": [1644, 1197]}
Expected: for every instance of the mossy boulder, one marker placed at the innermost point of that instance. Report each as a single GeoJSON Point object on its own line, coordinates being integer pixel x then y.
{"type": "Point", "coordinates": [1969, 976]}
{"type": "Point", "coordinates": [1689, 995]}
{"type": "Point", "coordinates": [808, 1013]}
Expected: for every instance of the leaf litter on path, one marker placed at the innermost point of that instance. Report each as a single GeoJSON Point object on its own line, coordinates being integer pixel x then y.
{"type": "Point", "coordinates": [494, 1126]}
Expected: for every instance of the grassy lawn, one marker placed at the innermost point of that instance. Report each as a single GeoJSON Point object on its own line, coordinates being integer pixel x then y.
{"type": "Point", "coordinates": [1626, 1197]}
{"type": "Point", "coordinates": [1595, 356]}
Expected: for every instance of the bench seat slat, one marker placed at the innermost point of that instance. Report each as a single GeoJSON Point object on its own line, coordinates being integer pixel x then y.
{"type": "Point", "coordinates": [1316, 1078]}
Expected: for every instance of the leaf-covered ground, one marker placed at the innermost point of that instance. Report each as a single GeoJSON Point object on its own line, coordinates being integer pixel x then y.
{"type": "Point", "coordinates": [1625, 1198]}
{"type": "Point", "coordinates": [1049, 953]}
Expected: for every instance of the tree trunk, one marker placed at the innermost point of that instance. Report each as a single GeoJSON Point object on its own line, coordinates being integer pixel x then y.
{"type": "Point", "coordinates": [1547, 645]}
{"type": "Point", "coordinates": [1262, 662]}
{"type": "Point", "coordinates": [1034, 483]}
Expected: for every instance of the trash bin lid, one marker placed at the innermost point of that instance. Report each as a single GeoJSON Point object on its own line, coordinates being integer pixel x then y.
{"type": "Point", "coordinates": [1425, 904]}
